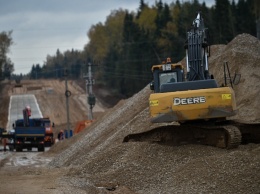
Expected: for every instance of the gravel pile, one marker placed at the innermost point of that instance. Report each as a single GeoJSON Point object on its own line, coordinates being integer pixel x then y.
{"type": "Point", "coordinates": [97, 160]}
{"type": "Point", "coordinates": [243, 56]}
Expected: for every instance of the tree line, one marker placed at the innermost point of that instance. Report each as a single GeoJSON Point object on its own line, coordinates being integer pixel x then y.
{"type": "Point", "coordinates": [127, 44]}
{"type": "Point", "coordinates": [6, 65]}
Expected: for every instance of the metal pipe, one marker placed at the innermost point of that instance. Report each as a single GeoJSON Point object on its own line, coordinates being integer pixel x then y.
{"type": "Point", "coordinates": [206, 61]}
{"type": "Point", "coordinates": [187, 61]}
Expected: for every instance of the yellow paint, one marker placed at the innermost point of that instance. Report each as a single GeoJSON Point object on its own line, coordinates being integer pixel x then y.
{"type": "Point", "coordinates": [226, 96]}
{"type": "Point", "coordinates": [154, 102]}
{"type": "Point", "coordinates": [215, 101]}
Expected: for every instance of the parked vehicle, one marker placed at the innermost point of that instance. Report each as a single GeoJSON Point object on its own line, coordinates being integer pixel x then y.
{"type": "Point", "coordinates": [27, 138]}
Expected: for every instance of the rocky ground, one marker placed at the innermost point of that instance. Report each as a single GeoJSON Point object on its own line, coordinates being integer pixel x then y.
{"type": "Point", "coordinates": [97, 161]}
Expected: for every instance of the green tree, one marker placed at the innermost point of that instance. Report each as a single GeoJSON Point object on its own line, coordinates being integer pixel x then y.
{"type": "Point", "coordinates": [98, 46]}
{"type": "Point", "coordinates": [146, 20]}
{"type": "Point", "coordinates": [222, 22]}
{"type": "Point", "coordinates": [142, 6]}
{"type": "Point", "coordinates": [256, 11]}
{"type": "Point", "coordinates": [6, 65]}
{"type": "Point", "coordinates": [245, 20]}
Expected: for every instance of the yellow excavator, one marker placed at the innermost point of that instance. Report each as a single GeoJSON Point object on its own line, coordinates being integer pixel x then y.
{"type": "Point", "coordinates": [193, 103]}
{"type": "Point", "coordinates": [195, 98]}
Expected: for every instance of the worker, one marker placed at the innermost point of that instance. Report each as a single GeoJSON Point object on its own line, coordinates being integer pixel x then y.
{"type": "Point", "coordinates": [61, 135]}
{"type": "Point", "coordinates": [29, 111]}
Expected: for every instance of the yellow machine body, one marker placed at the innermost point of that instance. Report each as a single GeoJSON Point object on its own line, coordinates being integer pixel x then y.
{"type": "Point", "coordinates": [192, 105]}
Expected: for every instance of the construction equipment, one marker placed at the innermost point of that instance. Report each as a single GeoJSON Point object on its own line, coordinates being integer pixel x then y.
{"type": "Point", "coordinates": [26, 134]}
{"type": "Point", "coordinates": [27, 138]}
{"type": "Point", "coordinates": [197, 97]}
{"type": "Point", "coordinates": [48, 139]}
{"type": "Point", "coordinates": [82, 125]}
{"type": "Point", "coordinates": [197, 105]}
{"type": "Point", "coordinates": [39, 122]}
{"type": "Point", "coordinates": [29, 132]}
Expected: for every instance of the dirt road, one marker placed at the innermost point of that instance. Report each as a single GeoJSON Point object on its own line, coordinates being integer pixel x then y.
{"type": "Point", "coordinates": [22, 172]}
{"type": "Point", "coordinates": [26, 172]}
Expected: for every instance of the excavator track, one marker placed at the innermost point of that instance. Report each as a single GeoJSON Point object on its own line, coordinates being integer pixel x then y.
{"type": "Point", "coordinates": [222, 136]}
{"type": "Point", "coordinates": [250, 130]}
{"type": "Point", "coordinates": [227, 136]}
{"type": "Point", "coordinates": [234, 136]}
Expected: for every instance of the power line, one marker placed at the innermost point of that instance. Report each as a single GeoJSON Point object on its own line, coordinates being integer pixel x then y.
{"type": "Point", "coordinates": [35, 47]}
{"type": "Point", "coordinates": [48, 29]}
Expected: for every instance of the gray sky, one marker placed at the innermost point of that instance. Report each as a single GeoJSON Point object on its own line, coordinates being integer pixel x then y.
{"type": "Point", "coordinates": [40, 27]}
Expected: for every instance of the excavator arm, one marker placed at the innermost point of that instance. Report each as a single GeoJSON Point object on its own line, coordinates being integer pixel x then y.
{"type": "Point", "coordinates": [197, 51]}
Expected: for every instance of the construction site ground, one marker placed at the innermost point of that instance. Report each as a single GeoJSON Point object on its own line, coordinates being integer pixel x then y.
{"type": "Point", "coordinates": [98, 161]}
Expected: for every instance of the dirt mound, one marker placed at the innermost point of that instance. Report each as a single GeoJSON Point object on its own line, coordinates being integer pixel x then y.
{"type": "Point", "coordinates": [243, 56]}
{"type": "Point", "coordinates": [98, 160]}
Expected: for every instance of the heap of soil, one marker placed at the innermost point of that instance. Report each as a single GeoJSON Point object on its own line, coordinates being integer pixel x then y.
{"type": "Point", "coordinates": [242, 55]}
{"type": "Point", "coordinates": [100, 162]}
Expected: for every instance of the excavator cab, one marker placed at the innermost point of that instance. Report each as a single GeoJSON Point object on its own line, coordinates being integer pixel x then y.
{"type": "Point", "coordinates": [166, 75]}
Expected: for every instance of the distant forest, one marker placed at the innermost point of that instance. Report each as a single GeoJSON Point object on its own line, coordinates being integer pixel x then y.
{"type": "Point", "coordinates": [124, 47]}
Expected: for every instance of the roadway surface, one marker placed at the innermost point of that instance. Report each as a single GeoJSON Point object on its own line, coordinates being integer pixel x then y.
{"type": "Point", "coordinates": [16, 106]}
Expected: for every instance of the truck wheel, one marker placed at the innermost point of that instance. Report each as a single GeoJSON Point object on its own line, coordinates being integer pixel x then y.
{"type": "Point", "coordinates": [19, 149]}
{"type": "Point", "coordinates": [41, 148]}
{"type": "Point", "coordinates": [11, 148]}
{"type": "Point", "coordinates": [47, 144]}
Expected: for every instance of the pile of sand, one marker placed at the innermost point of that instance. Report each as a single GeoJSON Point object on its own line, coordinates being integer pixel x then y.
{"type": "Point", "coordinates": [243, 56]}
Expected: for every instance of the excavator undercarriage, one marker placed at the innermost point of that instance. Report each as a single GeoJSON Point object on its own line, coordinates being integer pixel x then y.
{"type": "Point", "coordinates": [228, 134]}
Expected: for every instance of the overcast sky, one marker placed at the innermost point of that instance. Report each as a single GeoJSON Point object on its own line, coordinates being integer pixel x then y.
{"type": "Point", "coordinates": [40, 27]}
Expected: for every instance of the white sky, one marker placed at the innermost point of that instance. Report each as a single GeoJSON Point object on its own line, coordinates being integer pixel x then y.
{"type": "Point", "coordinates": [40, 27]}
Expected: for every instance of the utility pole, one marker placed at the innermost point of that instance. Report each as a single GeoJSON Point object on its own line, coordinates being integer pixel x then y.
{"type": "Point", "coordinates": [91, 100]}
{"type": "Point", "coordinates": [67, 94]}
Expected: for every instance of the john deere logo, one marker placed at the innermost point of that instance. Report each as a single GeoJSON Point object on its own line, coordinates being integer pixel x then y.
{"type": "Point", "coordinates": [190, 100]}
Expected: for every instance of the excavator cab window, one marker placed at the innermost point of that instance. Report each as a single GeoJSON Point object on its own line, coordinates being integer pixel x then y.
{"type": "Point", "coordinates": [168, 77]}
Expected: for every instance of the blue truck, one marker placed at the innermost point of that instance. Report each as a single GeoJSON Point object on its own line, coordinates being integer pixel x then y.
{"type": "Point", "coordinates": [27, 136]}
{"type": "Point", "coordinates": [28, 133]}
{"type": "Point", "coordinates": [21, 138]}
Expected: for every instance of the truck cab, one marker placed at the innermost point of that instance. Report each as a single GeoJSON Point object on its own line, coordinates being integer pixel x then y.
{"type": "Point", "coordinates": [39, 122]}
